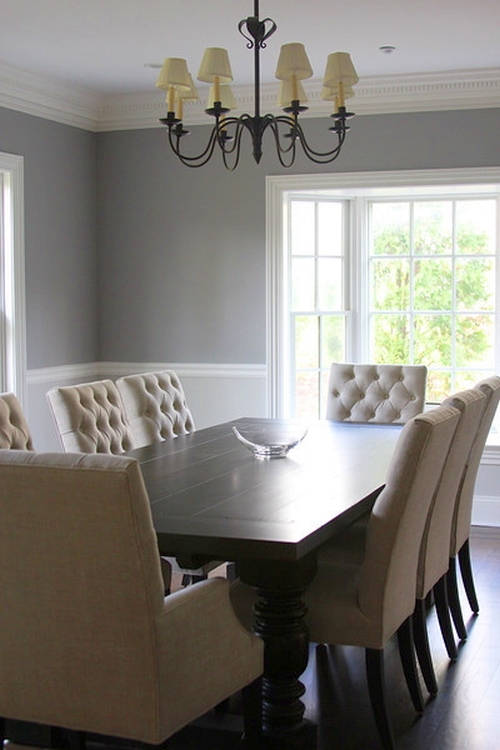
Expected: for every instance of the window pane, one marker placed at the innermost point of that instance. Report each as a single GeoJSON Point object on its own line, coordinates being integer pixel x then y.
{"type": "Point", "coordinates": [306, 395]}
{"type": "Point", "coordinates": [303, 275]}
{"type": "Point", "coordinates": [391, 339]}
{"type": "Point", "coordinates": [433, 288]}
{"type": "Point", "coordinates": [476, 226]}
{"type": "Point", "coordinates": [433, 340]}
{"type": "Point", "coordinates": [332, 339]}
{"type": "Point", "coordinates": [474, 341]}
{"type": "Point", "coordinates": [330, 228]}
{"type": "Point", "coordinates": [330, 284]}
{"type": "Point", "coordinates": [439, 382]}
{"type": "Point", "coordinates": [391, 228]}
{"type": "Point", "coordinates": [475, 282]}
{"type": "Point", "coordinates": [302, 225]}
{"type": "Point", "coordinates": [391, 284]}
{"type": "Point", "coordinates": [306, 342]}
{"type": "Point", "coordinates": [433, 228]}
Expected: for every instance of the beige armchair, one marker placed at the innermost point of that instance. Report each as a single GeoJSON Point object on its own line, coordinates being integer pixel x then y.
{"type": "Point", "coordinates": [90, 419]}
{"type": "Point", "coordinates": [14, 429]}
{"type": "Point", "coordinates": [375, 393]}
{"type": "Point", "coordinates": [88, 642]}
{"type": "Point", "coordinates": [155, 405]}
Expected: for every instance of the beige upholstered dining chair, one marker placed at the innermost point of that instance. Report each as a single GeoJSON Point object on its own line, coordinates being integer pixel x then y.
{"type": "Point", "coordinates": [14, 429]}
{"type": "Point", "coordinates": [461, 525]}
{"type": "Point", "coordinates": [433, 564]}
{"type": "Point", "coordinates": [156, 409]}
{"type": "Point", "coordinates": [375, 393]}
{"type": "Point", "coordinates": [365, 603]}
{"type": "Point", "coordinates": [155, 405]}
{"type": "Point", "coordinates": [88, 642]}
{"type": "Point", "coordinates": [90, 419]}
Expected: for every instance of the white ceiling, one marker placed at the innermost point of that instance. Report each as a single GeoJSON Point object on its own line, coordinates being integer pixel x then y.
{"type": "Point", "coordinates": [104, 45]}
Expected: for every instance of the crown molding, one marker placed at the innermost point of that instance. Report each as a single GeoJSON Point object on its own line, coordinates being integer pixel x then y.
{"type": "Point", "coordinates": [83, 108]}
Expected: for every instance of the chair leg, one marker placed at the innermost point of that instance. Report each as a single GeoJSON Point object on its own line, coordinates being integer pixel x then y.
{"type": "Point", "coordinates": [422, 646]}
{"type": "Point", "coordinates": [454, 600]}
{"type": "Point", "coordinates": [466, 571]}
{"type": "Point", "coordinates": [374, 659]}
{"type": "Point", "coordinates": [443, 613]}
{"type": "Point", "coordinates": [406, 645]}
{"type": "Point", "coordinates": [252, 714]}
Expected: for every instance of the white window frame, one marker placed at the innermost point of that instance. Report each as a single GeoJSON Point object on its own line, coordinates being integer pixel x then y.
{"type": "Point", "coordinates": [343, 185]}
{"type": "Point", "coordinates": [12, 277]}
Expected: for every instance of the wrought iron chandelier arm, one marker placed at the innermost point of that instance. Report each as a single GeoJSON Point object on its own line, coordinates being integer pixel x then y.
{"type": "Point", "coordinates": [192, 161]}
{"type": "Point", "coordinates": [321, 157]}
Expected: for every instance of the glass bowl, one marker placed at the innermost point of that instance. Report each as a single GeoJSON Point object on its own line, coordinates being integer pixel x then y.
{"type": "Point", "coordinates": [271, 440]}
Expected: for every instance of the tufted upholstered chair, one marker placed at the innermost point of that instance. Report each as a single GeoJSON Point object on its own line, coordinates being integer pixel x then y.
{"type": "Point", "coordinates": [460, 532]}
{"type": "Point", "coordinates": [434, 555]}
{"type": "Point", "coordinates": [88, 642]}
{"type": "Point", "coordinates": [155, 405]}
{"type": "Point", "coordinates": [156, 409]}
{"type": "Point", "coordinates": [365, 603]}
{"type": "Point", "coordinates": [90, 418]}
{"type": "Point", "coordinates": [375, 393]}
{"type": "Point", "coordinates": [14, 428]}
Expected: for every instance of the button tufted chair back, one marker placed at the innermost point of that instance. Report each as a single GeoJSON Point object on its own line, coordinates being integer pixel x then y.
{"type": "Point", "coordinates": [14, 429]}
{"type": "Point", "coordinates": [375, 393]}
{"type": "Point", "coordinates": [155, 405]}
{"type": "Point", "coordinates": [90, 418]}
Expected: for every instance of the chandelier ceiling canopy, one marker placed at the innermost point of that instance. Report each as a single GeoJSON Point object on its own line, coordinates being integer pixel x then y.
{"type": "Point", "coordinates": [292, 68]}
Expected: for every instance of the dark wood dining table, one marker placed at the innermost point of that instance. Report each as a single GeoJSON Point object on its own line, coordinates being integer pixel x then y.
{"type": "Point", "coordinates": [212, 499]}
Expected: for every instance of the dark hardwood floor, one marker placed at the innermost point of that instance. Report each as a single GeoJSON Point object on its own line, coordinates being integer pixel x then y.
{"type": "Point", "coordinates": [465, 714]}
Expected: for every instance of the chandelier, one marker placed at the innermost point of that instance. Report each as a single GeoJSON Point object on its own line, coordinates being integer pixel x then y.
{"type": "Point", "coordinates": [226, 136]}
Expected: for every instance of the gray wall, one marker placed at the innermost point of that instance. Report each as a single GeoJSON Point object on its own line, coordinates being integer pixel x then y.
{"type": "Point", "coordinates": [130, 257]}
{"type": "Point", "coordinates": [182, 251]}
{"type": "Point", "coordinates": [60, 232]}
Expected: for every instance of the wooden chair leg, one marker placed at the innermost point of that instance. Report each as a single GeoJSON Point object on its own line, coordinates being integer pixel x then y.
{"type": "Point", "coordinates": [406, 645]}
{"type": "Point", "coordinates": [454, 600]}
{"type": "Point", "coordinates": [466, 571]}
{"type": "Point", "coordinates": [443, 613]}
{"type": "Point", "coordinates": [374, 659]}
{"type": "Point", "coordinates": [422, 646]}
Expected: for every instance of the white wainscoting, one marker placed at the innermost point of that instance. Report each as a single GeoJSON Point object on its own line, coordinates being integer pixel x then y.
{"type": "Point", "coordinates": [215, 393]}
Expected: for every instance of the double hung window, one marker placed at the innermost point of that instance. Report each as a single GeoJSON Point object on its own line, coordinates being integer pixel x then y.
{"type": "Point", "coordinates": [403, 273]}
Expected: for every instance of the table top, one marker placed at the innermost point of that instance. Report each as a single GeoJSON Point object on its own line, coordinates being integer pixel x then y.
{"type": "Point", "coordinates": [211, 497]}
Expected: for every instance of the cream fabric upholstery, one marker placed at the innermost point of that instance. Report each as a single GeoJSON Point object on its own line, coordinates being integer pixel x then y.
{"type": "Point", "coordinates": [463, 509]}
{"type": "Point", "coordinates": [87, 640]}
{"type": "Point", "coordinates": [375, 393]}
{"type": "Point", "coordinates": [155, 405]}
{"type": "Point", "coordinates": [90, 419]}
{"type": "Point", "coordinates": [14, 429]}
{"type": "Point", "coordinates": [434, 554]}
{"type": "Point", "coordinates": [156, 409]}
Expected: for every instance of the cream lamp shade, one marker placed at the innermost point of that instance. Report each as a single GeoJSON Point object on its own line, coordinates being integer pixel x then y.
{"type": "Point", "coordinates": [330, 93]}
{"type": "Point", "coordinates": [174, 72]}
{"type": "Point", "coordinates": [339, 69]}
{"type": "Point", "coordinates": [215, 64]}
{"type": "Point", "coordinates": [293, 61]}
{"type": "Point", "coordinates": [190, 94]}
{"type": "Point", "coordinates": [288, 93]}
{"type": "Point", "coordinates": [226, 99]}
